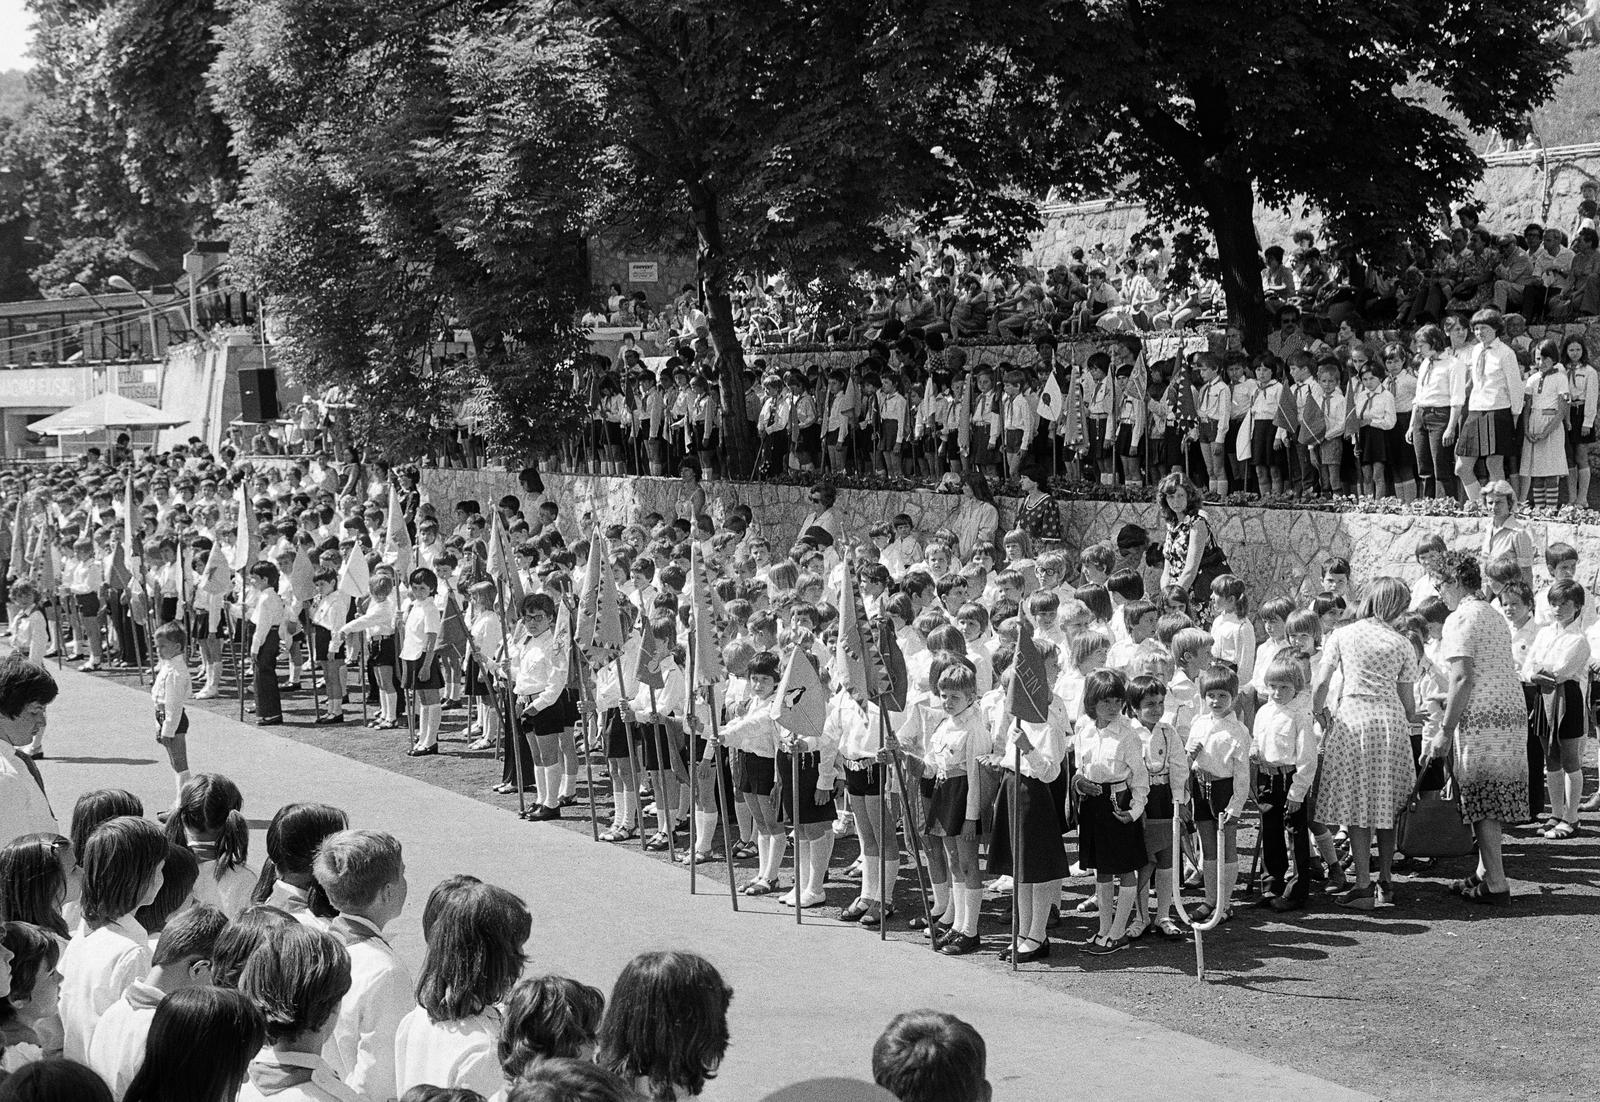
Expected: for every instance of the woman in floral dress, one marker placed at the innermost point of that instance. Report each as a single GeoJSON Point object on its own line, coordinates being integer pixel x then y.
{"type": "Point", "coordinates": [1485, 733]}
{"type": "Point", "coordinates": [1367, 771]}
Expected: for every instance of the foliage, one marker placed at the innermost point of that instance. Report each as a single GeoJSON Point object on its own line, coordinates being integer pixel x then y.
{"type": "Point", "coordinates": [1205, 107]}
{"type": "Point", "coordinates": [14, 93]}
{"type": "Point", "coordinates": [410, 172]}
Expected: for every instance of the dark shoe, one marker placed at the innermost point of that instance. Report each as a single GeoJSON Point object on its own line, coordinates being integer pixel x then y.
{"type": "Point", "coordinates": [568, 801]}
{"type": "Point", "coordinates": [1480, 893]}
{"type": "Point", "coordinates": [1283, 904]}
{"type": "Point", "coordinates": [328, 719]}
{"type": "Point", "coordinates": [959, 945]}
{"type": "Point", "coordinates": [1104, 947]}
{"type": "Point", "coordinates": [1028, 956]}
{"type": "Point", "coordinates": [942, 932]}
{"type": "Point", "coordinates": [270, 721]}
{"type": "Point", "coordinates": [542, 814]}
{"type": "Point", "coordinates": [422, 751]}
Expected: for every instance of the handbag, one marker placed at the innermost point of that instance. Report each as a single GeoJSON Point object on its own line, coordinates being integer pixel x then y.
{"type": "Point", "coordinates": [1430, 823]}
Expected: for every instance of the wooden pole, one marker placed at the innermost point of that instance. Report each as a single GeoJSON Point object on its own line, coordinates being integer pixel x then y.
{"type": "Point", "coordinates": [693, 758]}
{"type": "Point", "coordinates": [913, 840]}
{"type": "Point", "coordinates": [1016, 851]}
{"type": "Point", "coordinates": [794, 815]}
{"type": "Point", "coordinates": [885, 889]}
{"type": "Point", "coordinates": [311, 660]}
{"type": "Point", "coordinates": [730, 820]}
{"type": "Point", "coordinates": [633, 756]}
{"type": "Point", "coordinates": [243, 620]}
{"type": "Point", "coordinates": [663, 767]}
{"type": "Point", "coordinates": [514, 743]}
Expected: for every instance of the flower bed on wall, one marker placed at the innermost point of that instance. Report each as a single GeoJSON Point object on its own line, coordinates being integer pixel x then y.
{"type": "Point", "coordinates": [1274, 546]}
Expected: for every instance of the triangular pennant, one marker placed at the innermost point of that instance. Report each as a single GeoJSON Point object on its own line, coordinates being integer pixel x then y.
{"type": "Point", "coordinates": [647, 669]}
{"type": "Point", "coordinates": [705, 623]}
{"type": "Point", "coordinates": [502, 566]}
{"type": "Point", "coordinates": [302, 579]}
{"type": "Point", "coordinates": [1028, 698]}
{"type": "Point", "coordinates": [892, 699]}
{"type": "Point", "coordinates": [243, 552]}
{"type": "Point", "coordinates": [802, 702]}
{"type": "Point", "coordinates": [19, 539]}
{"type": "Point", "coordinates": [856, 659]}
{"type": "Point", "coordinates": [217, 579]}
{"type": "Point", "coordinates": [1050, 404]}
{"type": "Point", "coordinates": [599, 624]}
{"type": "Point", "coordinates": [355, 580]}
{"type": "Point", "coordinates": [397, 537]}
{"type": "Point", "coordinates": [453, 630]}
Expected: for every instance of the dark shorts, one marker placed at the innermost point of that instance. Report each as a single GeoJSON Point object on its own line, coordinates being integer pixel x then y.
{"type": "Point", "coordinates": [658, 739]}
{"type": "Point", "coordinates": [411, 675]}
{"type": "Point", "coordinates": [756, 774]}
{"type": "Point", "coordinates": [1209, 796]}
{"type": "Point", "coordinates": [321, 641]}
{"type": "Point", "coordinates": [1262, 434]}
{"type": "Point", "coordinates": [202, 624]}
{"type": "Point", "coordinates": [947, 813]}
{"type": "Point", "coordinates": [88, 604]}
{"type": "Point", "coordinates": [810, 810]}
{"type": "Point", "coordinates": [552, 721]}
{"type": "Point", "coordinates": [864, 782]}
{"type": "Point", "coordinates": [380, 651]}
{"type": "Point", "coordinates": [1374, 446]}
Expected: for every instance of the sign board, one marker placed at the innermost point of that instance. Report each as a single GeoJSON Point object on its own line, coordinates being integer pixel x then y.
{"type": "Point", "coordinates": [148, 393]}
{"type": "Point", "coordinates": [643, 272]}
{"type": "Point", "coordinates": [44, 386]}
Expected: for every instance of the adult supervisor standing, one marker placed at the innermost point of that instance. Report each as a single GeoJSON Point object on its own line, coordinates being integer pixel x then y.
{"type": "Point", "coordinates": [1189, 554]}
{"type": "Point", "coordinates": [26, 690]}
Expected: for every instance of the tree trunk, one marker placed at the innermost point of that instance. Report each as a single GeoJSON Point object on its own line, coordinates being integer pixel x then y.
{"type": "Point", "coordinates": [1231, 210]}
{"type": "Point", "coordinates": [738, 438]}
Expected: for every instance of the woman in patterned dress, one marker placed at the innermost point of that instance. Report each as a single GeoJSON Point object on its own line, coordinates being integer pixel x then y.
{"type": "Point", "coordinates": [1485, 731]}
{"type": "Point", "coordinates": [1039, 515]}
{"type": "Point", "coordinates": [1367, 771]}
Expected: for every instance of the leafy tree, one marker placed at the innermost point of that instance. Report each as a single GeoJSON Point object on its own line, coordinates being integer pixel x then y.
{"type": "Point", "coordinates": [409, 171]}
{"type": "Point", "coordinates": [1205, 108]}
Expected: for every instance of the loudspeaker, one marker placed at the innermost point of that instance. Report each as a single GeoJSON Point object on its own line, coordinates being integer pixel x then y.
{"type": "Point", "coordinates": [258, 394]}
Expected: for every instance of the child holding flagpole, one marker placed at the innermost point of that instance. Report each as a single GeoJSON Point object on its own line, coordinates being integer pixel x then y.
{"type": "Point", "coordinates": [753, 737]}
{"type": "Point", "coordinates": [807, 767]}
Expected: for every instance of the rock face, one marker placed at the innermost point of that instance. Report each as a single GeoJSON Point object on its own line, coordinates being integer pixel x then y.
{"type": "Point", "coordinates": [1273, 550]}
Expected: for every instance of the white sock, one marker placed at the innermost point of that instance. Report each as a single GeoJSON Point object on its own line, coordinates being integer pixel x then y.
{"type": "Point", "coordinates": [778, 845]}
{"type": "Point", "coordinates": [974, 910]}
{"type": "Point", "coordinates": [957, 914]}
{"type": "Point", "coordinates": [1103, 895]}
{"type": "Point", "coordinates": [1574, 794]}
{"type": "Point", "coordinates": [1044, 896]}
{"type": "Point", "coordinates": [820, 853]}
{"type": "Point", "coordinates": [1325, 849]}
{"type": "Point", "coordinates": [1165, 884]}
{"type": "Point", "coordinates": [871, 886]}
{"type": "Point", "coordinates": [705, 830]}
{"type": "Point", "coordinates": [1119, 924]}
{"type": "Point", "coordinates": [550, 785]}
{"type": "Point", "coordinates": [941, 898]}
{"type": "Point", "coordinates": [1555, 783]}
{"type": "Point", "coordinates": [1230, 876]}
{"type": "Point", "coordinates": [432, 720]}
{"type": "Point", "coordinates": [569, 784]}
{"type": "Point", "coordinates": [747, 828]}
{"type": "Point", "coordinates": [891, 872]}
{"type": "Point", "coordinates": [388, 705]}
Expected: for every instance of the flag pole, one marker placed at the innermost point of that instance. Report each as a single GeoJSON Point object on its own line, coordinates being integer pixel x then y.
{"type": "Point", "coordinates": [913, 838]}
{"type": "Point", "coordinates": [885, 889]}
{"type": "Point", "coordinates": [1016, 849]}
{"type": "Point", "coordinates": [730, 820]}
{"type": "Point", "coordinates": [239, 634]}
{"type": "Point", "coordinates": [361, 664]}
{"type": "Point", "coordinates": [579, 661]}
{"type": "Point", "coordinates": [694, 761]}
{"type": "Point", "coordinates": [311, 660]}
{"type": "Point", "coordinates": [514, 746]}
{"type": "Point", "coordinates": [794, 809]}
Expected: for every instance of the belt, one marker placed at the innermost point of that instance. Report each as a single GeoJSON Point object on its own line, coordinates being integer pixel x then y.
{"type": "Point", "coordinates": [807, 757]}
{"type": "Point", "coordinates": [859, 765]}
{"type": "Point", "coordinates": [1275, 770]}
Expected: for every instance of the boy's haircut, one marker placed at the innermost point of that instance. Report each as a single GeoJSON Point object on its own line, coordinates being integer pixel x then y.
{"type": "Point", "coordinates": [972, 610]}
{"type": "Point", "coordinates": [1126, 584]}
{"type": "Point", "coordinates": [899, 606]}
{"type": "Point", "coordinates": [763, 664]}
{"type": "Point", "coordinates": [1101, 556]}
{"type": "Point", "coordinates": [1137, 610]}
{"type": "Point", "coordinates": [326, 574]}
{"type": "Point", "coordinates": [914, 583]}
{"type": "Point", "coordinates": [874, 572]}
{"type": "Point", "coordinates": [1084, 646]}
{"type": "Point", "coordinates": [382, 586]}
{"type": "Point", "coordinates": [1519, 589]}
{"type": "Point", "coordinates": [928, 621]}
{"type": "Point", "coordinates": [947, 584]}
{"type": "Point", "coordinates": [958, 678]}
{"type": "Point", "coordinates": [558, 1080]}
{"type": "Point", "coordinates": [120, 857]}
{"type": "Point", "coordinates": [1219, 679]}
{"type": "Point", "coordinates": [1309, 622]}
{"type": "Point", "coordinates": [267, 572]}
{"type": "Point", "coordinates": [948, 638]}
{"type": "Point", "coordinates": [23, 592]}
{"type": "Point", "coordinates": [673, 578]}
{"type": "Point", "coordinates": [1278, 608]}
{"type": "Point", "coordinates": [931, 1056]}
{"type": "Point", "coordinates": [297, 979]}
{"type": "Point", "coordinates": [476, 934]}
{"type": "Point", "coordinates": [1169, 625]}
{"type": "Point", "coordinates": [881, 531]}
{"type": "Point", "coordinates": [243, 936]}
{"type": "Point", "coordinates": [1051, 560]}
{"type": "Point", "coordinates": [191, 936]}
{"type": "Point", "coordinates": [1042, 601]}
{"type": "Point", "coordinates": [1009, 578]}
{"type": "Point", "coordinates": [1287, 668]}
{"type": "Point", "coordinates": [178, 875]}
{"type": "Point", "coordinates": [546, 1018]}
{"type": "Point", "coordinates": [1555, 555]}
{"type": "Point", "coordinates": [1433, 610]}
{"type": "Point", "coordinates": [171, 632]}
{"type": "Point", "coordinates": [1152, 663]}
{"type": "Point", "coordinates": [1435, 543]}
{"type": "Point", "coordinates": [1504, 568]}
{"type": "Point", "coordinates": [1562, 591]}
{"type": "Point", "coordinates": [1101, 685]}
{"type": "Point", "coordinates": [424, 577]}
{"type": "Point", "coordinates": [1189, 642]}
{"type": "Point", "coordinates": [23, 683]}
{"type": "Point", "coordinates": [353, 866]}
{"type": "Point", "coordinates": [1096, 599]}
{"type": "Point", "coordinates": [34, 950]}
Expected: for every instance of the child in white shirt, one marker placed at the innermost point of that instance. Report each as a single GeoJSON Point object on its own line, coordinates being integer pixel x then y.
{"type": "Point", "coordinates": [170, 691]}
{"type": "Point", "coordinates": [1219, 780]}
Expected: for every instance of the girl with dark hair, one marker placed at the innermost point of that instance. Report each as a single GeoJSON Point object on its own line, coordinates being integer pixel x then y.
{"type": "Point", "coordinates": [570, 1081]}
{"type": "Point", "coordinates": [286, 881]}
{"type": "Point", "coordinates": [1584, 382]}
{"type": "Point", "coordinates": [1431, 430]}
{"type": "Point", "coordinates": [666, 1026]}
{"type": "Point", "coordinates": [549, 1018]}
{"type": "Point", "coordinates": [55, 1081]}
{"type": "Point", "coordinates": [34, 874]}
{"type": "Point", "coordinates": [121, 872]}
{"type": "Point", "coordinates": [1113, 784]}
{"type": "Point", "coordinates": [209, 821]}
{"type": "Point", "coordinates": [476, 936]}
{"type": "Point", "coordinates": [243, 937]}
{"type": "Point", "coordinates": [297, 981]}
{"type": "Point", "coordinates": [30, 1000]}
{"type": "Point", "coordinates": [199, 1048]}
{"type": "Point", "coordinates": [94, 808]}
{"type": "Point", "coordinates": [1190, 555]}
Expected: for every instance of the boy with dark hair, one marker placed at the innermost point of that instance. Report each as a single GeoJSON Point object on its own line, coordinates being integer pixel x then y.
{"type": "Point", "coordinates": [26, 690]}
{"type": "Point", "coordinates": [931, 1056]}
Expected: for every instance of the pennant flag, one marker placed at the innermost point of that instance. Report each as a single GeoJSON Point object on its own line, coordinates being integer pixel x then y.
{"type": "Point", "coordinates": [243, 552]}
{"type": "Point", "coordinates": [647, 669]}
{"type": "Point", "coordinates": [129, 535]}
{"type": "Point", "coordinates": [857, 662]}
{"type": "Point", "coordinates": [892, 699]}
{"type": "Point", "coordinates": [355, 580]}
{"type": "Point", "coordinates": [1028, 698]}
{"type": "Point", "coordinates": [502, 566]}
{"type": "Point", "coordinates": [217, 578]}
{"type": "Point", "coordinates": [705, 623]}
{"type": "Point", "coordinates": [1180, 399]}
{"type": "Point", "coordinates": [1352, 416]}
{"type": "Point", "coordinates": [44, 558]}
{"type": "Point", "coordinates": [19, 540]}
{"type": "Point", "coordinates": [453, 631]}
{"type": "Point", "coordinates": [1050, 398]}
{"type": "Point", "coordinates": [599, 623]}
{"type": "Point", "coordinates": [963, 410]}
{"type": "Point", "coordinates": [1313, 425]}
{"type": "Point", "coordinates": [302, 579]}
{"type": "Point", "coordinates": [397, 537]}
{"type": "Point", "coordinates": [1287, 416]}
{"type": "Point", "coordinates": [802, 701]}
{"type": "Point", "coordinates": [118, 575]}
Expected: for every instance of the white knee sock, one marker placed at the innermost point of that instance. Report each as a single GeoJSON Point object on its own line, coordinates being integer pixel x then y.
{"type": "Point", "coordinates": [871, 886]}
{"type": "Point", "coordinates": [1103, 895]}
{"type": "Point", "coordinates": [1230, 874]}
{"type": "Point", "coordinates": [550, 785]}
{"type": "Point", "coordinates": [1165, 883]}
{"type": "Point", "coordinates": [569, 784]}
{"type": "Point", "coordinates": [432, 718]}
{"type": "Point", "coordinates": [891, 873]}
{"type": "Point", "coordinates": [621, 813]}
{"type": "Point", "coordinates": [821, 854]}
{"type": "Point", "coordinates": [1574, 793]}
{"type": "Point", "coordinates": [958, 907]}
{"type": "Point", "coordinates": [1044, 895]}
{"type": "Point", "coordinates": [1119, 924]}
{"type": "Point", "coordinates": [1555, 783]}
{"type": "Point", "coordinates": [974, 910]}
{"type": "Point", "coordinates": [773, 863]}
{"type": "Point", "coordinates": [705, 830]}
{"type": "Point", "coordinates": [741, 812]}
{"type": "Point", "coordinates": [942, 901]}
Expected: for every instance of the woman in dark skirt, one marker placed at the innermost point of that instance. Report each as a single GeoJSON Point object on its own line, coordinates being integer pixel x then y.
{"type": "Point", "coordinates": [1554, 668]}
{"type": "Point", "coordinates": [1113, 786]}
{"type": "Point", "coordinates": [1044, 864]}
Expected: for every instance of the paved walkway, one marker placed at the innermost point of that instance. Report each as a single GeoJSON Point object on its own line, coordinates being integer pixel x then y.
{"type": "Point", "coordinates": [808, 1002]}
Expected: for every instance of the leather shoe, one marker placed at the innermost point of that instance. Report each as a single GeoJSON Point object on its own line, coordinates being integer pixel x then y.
{"type": "Point", "coordinates": [542, 814]}
{"type": "Point", "coordinates": [1283, 904]}
{"type": "Point", "coordinates": [422, 751]}
{"type": "Point", "coordinates": [1025, 956]}
{"type": "Point", "coordinates": [959, 945]}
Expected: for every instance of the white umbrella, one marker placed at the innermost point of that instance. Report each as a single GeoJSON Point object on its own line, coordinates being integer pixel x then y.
{"type": "Point", "coordinates": [102, 412]}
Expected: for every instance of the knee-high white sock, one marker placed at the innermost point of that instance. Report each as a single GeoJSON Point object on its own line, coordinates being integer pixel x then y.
{"type": "Point", "coordinates": [705, 830]}
{"type": "Point", "coordinates": [778, 845]}
{"type": "Point", "coordinates": [621, 814]}
{"type": "Point", "coordinates": [1166, 880]}
{"type": "Point", "coordinates": [741, 812]}
{"type": "Point", "coordinates": [1574, 794]}
{"type": "Point", "coordinates": [1325, 849]}
{"type": "Point", "coordinates": [389, 704]}
{"type": "Point", "coordinates": [1555, 783]}
{"type": "Point", "coordinates": [1230, 874]}
{"type": "Point", "coordinates": [941, 898]}
{"type": "Point", "coordinates": [431, 720]}
{"type": "Point", "coordinates": [820, 853]}
{"type": "Point", "coordinates": [891, 873]}
{"type": "Point", "coordinates": [974, 910]}
{"type": "Point", "coordinates": [550, 785]}
{"type": "Point", "coordinates": [1103, 896]}
{"type": "Point", "coordinates": [568, 783]}
{"type": "Point", "coordinates": [1044, 895]}
{"type": "Point", "coordinates": [1119, 924]}
{"type": "Point", "coordinates": [958, 907]}
{"type": "Point", "coordinates": [871, 886]}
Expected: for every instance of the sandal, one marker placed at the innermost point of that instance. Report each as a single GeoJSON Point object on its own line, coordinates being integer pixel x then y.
{"type": "Point", "coordinates": [657, 842]}
{"type": "Point", "coordinates": [1170, 930]}
{"type": "Point", "coordinates": [1357, 899]}
{"type": "Point", "coordinates": [854, 912]}
{"type": "Point", "coordinates": [1480, 893]}
{"type": "Point", "coordinates": [1560, 829]}
{"type": "Point", "coordinates": [1462, 887]}
{"type": "Point", "coordinates": [744, 851]}
{"type": "Point", "coordinates": [619, 834]}
{"type": "Point", "coordinates": [759, 886]}
{"type": "Point", "coordinates": [1200, 912]}
{"type": "Point", "coordinates": [697, 857]}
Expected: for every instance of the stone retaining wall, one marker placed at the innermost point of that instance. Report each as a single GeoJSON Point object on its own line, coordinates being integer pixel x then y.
{"type": "Point", "coordinates": [1274, 550]}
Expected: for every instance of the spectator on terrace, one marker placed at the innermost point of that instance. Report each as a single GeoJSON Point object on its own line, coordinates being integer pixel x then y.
{"type": "Point", "coordinates": [1290, 337]}
{"type": "Point", "coordinates": [969, 316]}
{"type": "Point", "coordinates": [1474, 284]}
{"type": "Point", "coordinates": [1582, 296]}
{"type": "Point", "coordinates": [878, 315]}
{"type": "Point", "coordinates": [614, 303]}
{"type": "Point", "coordinates": [1101, 298]}
{"type": "Point", "coordinates": [943, 301]}
{"type": "Point", "coordinates": [1276, 279]}
{"type": "Point", "coordinates": [1514, 276]}
{"type": "Point", "coordinates": [914, 308]}
{"type": "Point", "coordinates": [1552, 263]}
